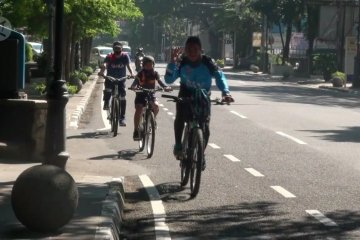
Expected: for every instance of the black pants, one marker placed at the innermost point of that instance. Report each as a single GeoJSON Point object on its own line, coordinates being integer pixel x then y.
{"type": "Point", "coordinates": [183, 113]}
{"type": "Point", "coordinates": [109, 86]}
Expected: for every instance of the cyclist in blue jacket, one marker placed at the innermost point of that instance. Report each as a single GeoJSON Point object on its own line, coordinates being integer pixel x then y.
{"type": "Point", "coordinates": [194, 70]}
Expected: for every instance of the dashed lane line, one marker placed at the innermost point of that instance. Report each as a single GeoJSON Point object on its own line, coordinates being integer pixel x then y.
{"type": "Point", "coordinates": [321, 218]}
{"type": "Point", "coordinates": [165, 109]}
{"type": "Point", "coordinates": [161, 228]}
{"type": "Point", "coordinates": [232, 158]}
{"type": "Point", "coordinates": [254, 172]}
{"type": "Point", "coordinates": [291, 138]}
{"type": "Point", "coordinates": [283, 191]}
{"type": "Point", "coordinates": [213, 145]}
{"type": "Point", "coordinates": [170, 113]}
{"type": "Point", "coordinates": [239, 115]}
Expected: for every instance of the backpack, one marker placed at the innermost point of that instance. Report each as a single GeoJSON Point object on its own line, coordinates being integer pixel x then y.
{"type": "Point", "coordinates": [201, 104]}
{"type": "Point", "coordinates": [206, 60]}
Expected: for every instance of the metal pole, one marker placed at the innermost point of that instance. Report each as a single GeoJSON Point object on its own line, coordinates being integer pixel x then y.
{"type": "Point", "coordinates": [356, 80]}
{"type": "Point", "coordinates": [57, 97]}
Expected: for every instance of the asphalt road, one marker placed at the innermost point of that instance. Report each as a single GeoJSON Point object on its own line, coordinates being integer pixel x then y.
{"type": "Point", "coordinates": [282, 164]}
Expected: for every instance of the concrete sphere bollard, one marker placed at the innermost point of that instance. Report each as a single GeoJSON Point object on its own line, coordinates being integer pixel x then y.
{"type": "Point", "coordinates": [44, 198]}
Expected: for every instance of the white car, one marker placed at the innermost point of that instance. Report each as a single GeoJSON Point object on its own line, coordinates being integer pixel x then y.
{"type": "Point", "coordinates": [99, 53]}
{"type": "Point", "coordinates": [127, 50]}
{"type": "Point", "coordinates": [37, 47]}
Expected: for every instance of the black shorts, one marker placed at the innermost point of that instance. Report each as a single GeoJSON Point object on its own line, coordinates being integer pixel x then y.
{"type": "Point", "coordinates": [141, 98]}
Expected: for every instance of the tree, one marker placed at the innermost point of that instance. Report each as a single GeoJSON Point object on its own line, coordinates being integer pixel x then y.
{"type": "Point", "coordinates": [83, 19]}
{"type": "Point", "coordinates": [287, 12]}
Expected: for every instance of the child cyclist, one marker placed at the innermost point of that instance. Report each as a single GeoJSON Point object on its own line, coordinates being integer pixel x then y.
{"type": "Point", "coordinates": [146, 78]}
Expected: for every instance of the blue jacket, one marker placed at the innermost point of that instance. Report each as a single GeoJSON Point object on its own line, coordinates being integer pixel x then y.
{"type": "Point", "coordinates": [199, 75]}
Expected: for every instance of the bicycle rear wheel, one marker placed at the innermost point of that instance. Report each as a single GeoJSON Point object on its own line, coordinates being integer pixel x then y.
{"type": "Point", "coordinates": [142, 134]}
{"type": "Point", "coordinates": [150, 133]}
{"type": "Point", "coordinates": [184, 162]}
{"type": "Point", "coordinates": [115, 117]}
{"type": "Point", "coordinates": [196, 159]}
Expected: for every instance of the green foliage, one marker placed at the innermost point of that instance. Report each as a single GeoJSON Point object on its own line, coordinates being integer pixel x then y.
{"type": "Point", "coordinates": [42, 62]}
{"type": "Point", "coordinates": [28, 53]}
{"type": "Point", "coordinates": [40, 87]}
{"type": "Point", "coordinates": [325, 62]}
{"type": "Point", "coordinates": [78, 75]}
{"type": "Point", "coordinates": [87, 70]}
{"type": "Point", "coordinates": [340, 75]}
{"type": "Point", "coordinates": [220, 62]}
{"type": "Point", "coordinates": [93, 65]}
{"type": "Point", "coordinates": [72, 89]}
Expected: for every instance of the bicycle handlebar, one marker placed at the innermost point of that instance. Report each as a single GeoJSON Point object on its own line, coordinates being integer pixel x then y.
{"type": "Point", "coordinates": [149, 90]}
{"type": "Point", "coordinates": [112, 79]}
{"type": "Point", "coordinates": [179, 99]}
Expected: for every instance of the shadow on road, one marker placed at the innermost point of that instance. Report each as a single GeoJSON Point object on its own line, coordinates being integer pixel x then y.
{"type": "Point", "coordinates": [173, 192]}
{"type": "Point", "coordinates": [290, 94]}
{"type": "Point", "coordinates": [259, 220]}
{"type": "Point", "coordinates": [128, 154]}
{"type": "Point", "coordinates": [94, 135]}
{"type": "Point", "coordinates": [348, 134]}
{"type": "Point", "coordinates": [91, 197]}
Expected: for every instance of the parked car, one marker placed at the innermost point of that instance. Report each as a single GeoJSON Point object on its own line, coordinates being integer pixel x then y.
{"type": "Point", "coordinates": [37, 47]}
{"type": "Point", "coordinates": [99, 53]}
{"type": "Point", "coordinates": [127, 50]}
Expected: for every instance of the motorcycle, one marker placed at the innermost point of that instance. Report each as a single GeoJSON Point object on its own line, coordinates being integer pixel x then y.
{"type": "Point", "coordinates": [138, 62]}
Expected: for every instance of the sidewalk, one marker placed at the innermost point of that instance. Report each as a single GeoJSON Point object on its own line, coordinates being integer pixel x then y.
{"type": "Point", "coordinates": [312, 82]}
{"type": "Point", "coordinates": [101, 198]}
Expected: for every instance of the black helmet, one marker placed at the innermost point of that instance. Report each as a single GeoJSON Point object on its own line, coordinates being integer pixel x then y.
{"type": "Point", "coordinates": [117, 45]}
{"type": "Point", "coordinates": [147, 59]}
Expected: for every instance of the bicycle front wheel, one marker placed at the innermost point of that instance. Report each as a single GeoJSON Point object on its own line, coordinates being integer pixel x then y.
{"type": "Point", "coordinates": [197, 157]}
{"type": "Point", "coordinates": [142, 134]}
{"type": "Point", "coordinates": [184, 161]}
{"type": "Point", "coordinates": [115, 117]}
{"type": "Point", "coordinates": [150, 133]}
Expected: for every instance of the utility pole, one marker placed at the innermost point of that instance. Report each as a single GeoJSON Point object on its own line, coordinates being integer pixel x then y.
{"type": "Point", "coordinates": [57, 97]}
{"type": "Point", "coordinates": [356, 80]}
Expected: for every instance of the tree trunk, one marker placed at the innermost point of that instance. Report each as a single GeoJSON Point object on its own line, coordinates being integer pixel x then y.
{"type": "Point", "coordinates": [72, 50]}
{"type": "Point", "coordinates": [286, 49]}
{"type": "Point", "coordinates": [67, 44]}
{"type": "Point", "coordinates": [85, 44]}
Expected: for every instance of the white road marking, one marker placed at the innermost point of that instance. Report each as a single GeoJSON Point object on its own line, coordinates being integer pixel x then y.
{"type": "Point", "coordinates": [238, 114]}
{"type": "Point", "coordinates": [254, 172]}
{"type": "Point", "coordinates": [161, 228]}
{"type": "Point", "coordinates": [165, 109]}
{"type": "Point", "coordinates": [283, 191]}
{"type": "Point", "coordinates": [321, 218]}
{"type": "Point", "coordinates": [291, 138]}
{"type": "Point", "coordinates": [213, 145]}
{"type": "Point", "coordinates": [170, 113]}
{"type": "Point", "coordinates": [161, 105]}
{"type": "Point", "coordinates": [232, 158]}
{"type": "Point", "coordinates": [173, 118]}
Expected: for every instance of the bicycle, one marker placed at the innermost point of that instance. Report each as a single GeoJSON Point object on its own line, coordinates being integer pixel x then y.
{"type": "Point", "coordinates": [113, 112]}
{"type": "Point", "coordinates": [193, 145]}
{"type": "Point", "coordinates": [147, 125]}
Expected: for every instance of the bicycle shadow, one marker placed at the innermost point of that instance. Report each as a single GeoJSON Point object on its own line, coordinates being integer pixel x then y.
{"type": "Point", "coordinates": [128, 154]}
{"type": "Point", "coordinates": [173, 192]}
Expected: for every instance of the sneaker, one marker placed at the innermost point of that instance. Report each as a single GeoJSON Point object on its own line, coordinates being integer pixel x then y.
{"type": "Point", "coordinates": [106, 106]}
{"type": "Point", "coordinates": [136, 136]}
{"type": "Point", "coordinates": [177, 151]}
{"type": "Point", "coordinates": [122, 123]}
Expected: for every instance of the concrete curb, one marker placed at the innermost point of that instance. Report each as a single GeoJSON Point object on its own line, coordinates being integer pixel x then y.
{"type": "Point", "coordinates": [80, 108]}
{"type": "Point", "coordinates": [112, 212]}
